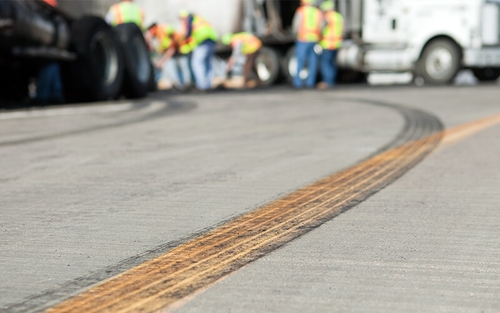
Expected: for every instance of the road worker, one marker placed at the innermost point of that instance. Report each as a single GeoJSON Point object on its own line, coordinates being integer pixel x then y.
{"type": "Point", "coordinates": [243, 44]}
{"type": "Point", "coordinates": [201, 39]}
{"type": "Point", "coordinates": [161, 38]}
{"type": "Point", "coordinates": [330, 43]}
{"type": "Point", "coordinates": [166, 41]}
{"type": "Point", "coordinates": [123, 12]}
{"type": "Point", "coordinates": [307, 22]}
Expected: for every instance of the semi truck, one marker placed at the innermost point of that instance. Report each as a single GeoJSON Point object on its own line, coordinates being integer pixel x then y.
{"type": "Point", "coordinates": [97, 62]}
{"type": "Point", "coordinates": [434, 39]}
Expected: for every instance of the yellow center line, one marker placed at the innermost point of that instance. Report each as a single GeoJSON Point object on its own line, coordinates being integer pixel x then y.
{"type": "Point", "coordinates": [200, 262]}
{"type": "Point", "coordinates": [466, 130]}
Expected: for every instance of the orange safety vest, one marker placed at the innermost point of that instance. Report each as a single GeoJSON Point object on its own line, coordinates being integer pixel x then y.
{"type": "Point", "coordinates": [51, 3]}
{"type": "Point", "coordinates": [178, 39]}
{"type": "Point", "coordinates": [250, 42]}
{"type": "Point", "coordinates": [310, 28]}
{"type": "Point", "coordinates": [333, 32]}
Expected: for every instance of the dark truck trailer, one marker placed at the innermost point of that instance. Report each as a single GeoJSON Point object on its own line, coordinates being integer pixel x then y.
{"type": "Point", "coordinates": [97, 62]}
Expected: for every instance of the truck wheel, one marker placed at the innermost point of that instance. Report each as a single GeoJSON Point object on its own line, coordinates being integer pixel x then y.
{"type": "Point", "coordinates": [486, 74]}
{"type": "Point", "coordinates": [267, 65]}
{"type": "Point", "coordinates": [137, 62]}
{"type": "Point", "coordinates": [97, 74]}
{"type": "Point", "coordinates": [152, 80]}
{"type": "Point", "coordinates": [439, 62]}
{"type": "Point", "coordinates": [290, 66]}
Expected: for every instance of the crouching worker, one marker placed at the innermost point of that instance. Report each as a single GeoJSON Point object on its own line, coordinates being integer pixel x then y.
{"type": "Point", "coordinates": [244, 44]}
{"type": "Point", "coordinates": [166, 41]}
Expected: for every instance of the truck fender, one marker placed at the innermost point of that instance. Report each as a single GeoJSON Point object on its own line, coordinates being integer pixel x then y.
{"type": "Point", "coordinates": [420, 48]}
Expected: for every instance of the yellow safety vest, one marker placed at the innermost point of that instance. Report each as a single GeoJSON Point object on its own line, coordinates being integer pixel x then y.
{"type": "Point", "coordinates": [251, 43]}
{"type": "Point", "coordinates": [165, 35]}
{"type": "Point", "coordinates": [126, 12]}
{"type": "Point", "coordinates": [201, 32]}
{"type": "Point", "coordinates": [310, 28]}
{"type": "Point", "coordinates": [333, 32]}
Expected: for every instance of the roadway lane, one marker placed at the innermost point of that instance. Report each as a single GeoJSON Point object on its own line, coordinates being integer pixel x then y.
{"type": "Point", "coordinates": [78, 202]}
{"type": "Point", "coordinates": [103, 195]}
{"type": "Point", "coordinates": [427, 243]}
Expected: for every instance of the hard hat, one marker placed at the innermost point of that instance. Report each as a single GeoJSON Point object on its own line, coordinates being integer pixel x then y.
{"type": "Point", "coordinates": [327, 5]}
{"type": "Point", "coordinates": [226, 39]}
{"type": "Point", "coordinates": [307, 2]}
{"type": "Point", "coordinates": [183, 13]}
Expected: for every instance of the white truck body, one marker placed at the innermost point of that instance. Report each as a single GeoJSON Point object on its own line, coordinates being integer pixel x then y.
{"type": "Point", "coordinates": [395, 32]}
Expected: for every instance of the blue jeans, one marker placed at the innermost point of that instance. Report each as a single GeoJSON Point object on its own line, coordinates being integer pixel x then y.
{"type": "Point", "coordinates": [329, 67]}
{"type": "Point", "coordinates": [201, 63]}
{"type": "Point", "coordinates": [177, 70]}
{"type": "Point", "coordinates": [304, 51]}
{"type": "Point", "coordinates": [49, 84]}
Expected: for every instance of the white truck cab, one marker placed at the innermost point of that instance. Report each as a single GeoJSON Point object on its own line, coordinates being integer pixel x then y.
{"type": "Point", "coordinates": [432, 38]}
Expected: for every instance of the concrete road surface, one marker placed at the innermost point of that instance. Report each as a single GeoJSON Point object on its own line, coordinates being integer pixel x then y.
{"type": "Point", "coordinates": [90, 191]}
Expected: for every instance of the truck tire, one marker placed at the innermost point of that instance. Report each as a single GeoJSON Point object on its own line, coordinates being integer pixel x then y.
{"type": "Point", "coordinates": [14, 84]}
{"type": "Point", "coordinates": [97, 74]}
{"type": "Point", "coordinates": [138, 71]}
{"type": "Point", "coordinates": [486, 74]}
{"type": "Point", "coordinates": [290, 66]}
{"type": "Point", "coordinates": [440, 62]}
{"type": "Point", "coordinates": [152, 80]}
{"type": "Point", "coordinates": [267, 65]}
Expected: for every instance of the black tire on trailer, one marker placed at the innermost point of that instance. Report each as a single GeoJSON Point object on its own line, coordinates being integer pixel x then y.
{"type": "Point", "coordinates": [152, 86]}
{"type": "Point", "coordinates": [97, 74]}
{"type": "Point", "coordinates": [289, 66]}
{"type": "Point", "coordinates": [486, 74]}
{"type": "Point", "coordinates": [440, 62]}
{"type": "Point", "coordinates": [138, 70]}
{"type": "Point", "coordinates": [267, 65]}
{"type": "Point", "coordinates": [14, 85]}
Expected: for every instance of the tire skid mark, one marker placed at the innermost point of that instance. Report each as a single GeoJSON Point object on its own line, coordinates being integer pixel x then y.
{"type": "Point", "coordinates": [287, 231]}
{"type": "Point", "coordinates": [227, 229]}
{"type": "Point", "coordinates": [148, 110]}
{"type": "Point", "coordinates": [202, 261]}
